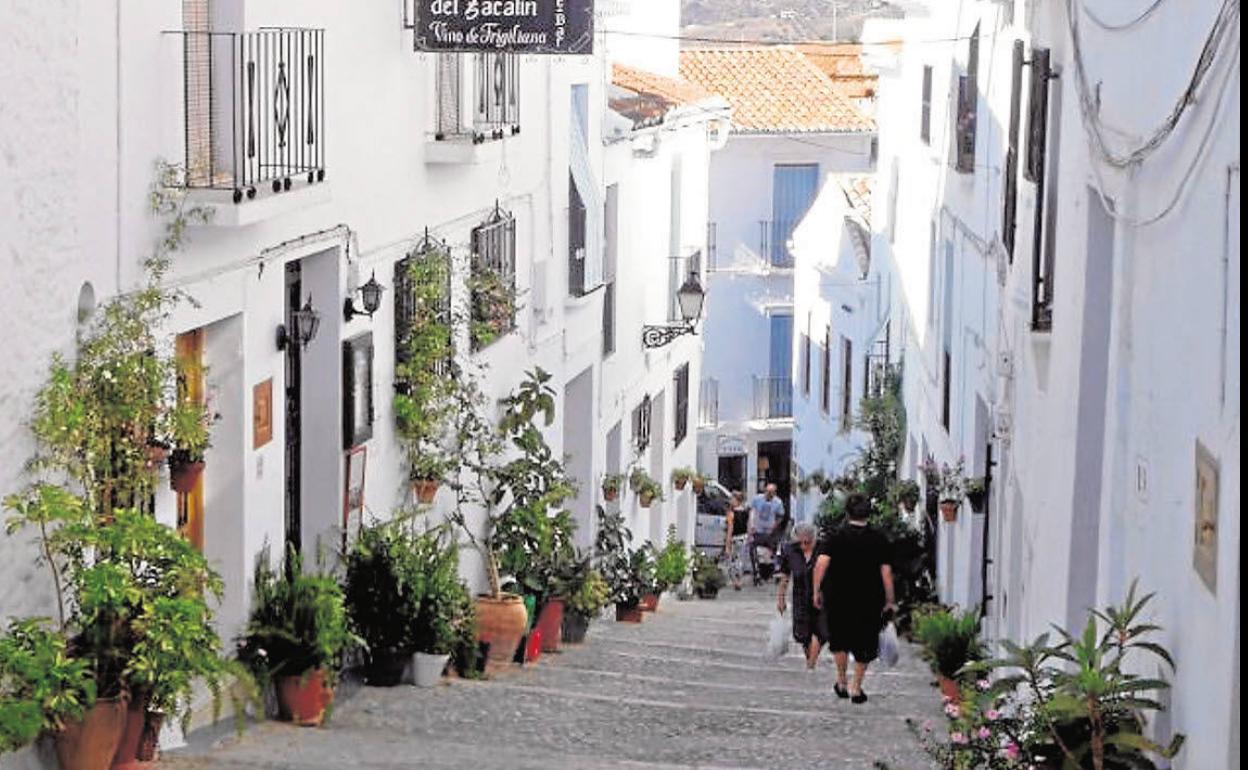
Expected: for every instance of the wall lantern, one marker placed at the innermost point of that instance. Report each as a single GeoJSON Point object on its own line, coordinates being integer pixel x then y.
{"type": "Point", "coordinates": [305, 321]}
{"type": "Point", "coordinates": [690, 297]}
{"type": "Point", "coordinates": [370, 293]}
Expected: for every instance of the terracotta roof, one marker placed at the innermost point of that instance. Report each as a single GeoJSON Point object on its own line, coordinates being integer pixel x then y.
{"type": "Point", "coordinates": [645, 97]}
{"type": "Point", "coordinates": [842, 62]}
{"type": "Point", "coordinates": [773, 89]}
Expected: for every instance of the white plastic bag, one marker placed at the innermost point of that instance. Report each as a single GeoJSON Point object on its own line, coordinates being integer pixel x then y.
{"type": "Point", "coordinates": [778, 637]}
{"type": "Point", "coordinates": [890, 651]}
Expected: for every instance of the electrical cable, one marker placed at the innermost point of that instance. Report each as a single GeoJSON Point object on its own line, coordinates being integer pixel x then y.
{"type": "Point", "coordinates": [1123, 25]}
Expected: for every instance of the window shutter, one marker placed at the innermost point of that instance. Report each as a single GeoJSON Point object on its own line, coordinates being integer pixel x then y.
{"type": "Point", "coordinates": [965, 130]}
{"type": "Point", "coordinates": [1037, 114]}
{"type": "Point", "coordinates": [1009, 215]}
{"type": "Point", "coordinates": [925, 122]}
{"type": "Point", "coordinates": [1037, 138]}
{"type": "Point", "coordinates": [586, 188]}
{"type": "Point", "coordinates": [404, 308]}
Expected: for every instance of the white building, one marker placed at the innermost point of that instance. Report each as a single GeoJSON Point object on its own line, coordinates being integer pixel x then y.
{"type": "Point", "coordinates": [330, 151]}
{"type": "Point", "coordinates": [1071, 304]}
{"type": "Point", "coordinates": [792, 133]}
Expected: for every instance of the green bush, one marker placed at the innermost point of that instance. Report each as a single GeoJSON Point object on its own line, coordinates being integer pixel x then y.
{"type": "Point", "coordinates": [383, 591]}
{"type": "Point", "coordinates": [707, 576]}
{"type": "Point", "coordinates": [950, 640]}
{"type": "Point", "coordinates": [42, 687]}
{"type": "Point", "coordinates": [671, 563]}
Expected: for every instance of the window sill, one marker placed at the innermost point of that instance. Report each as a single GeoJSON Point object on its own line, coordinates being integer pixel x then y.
{"type": "Point", "coordinates": [227, 213]}
{"type": "Point", "coordinates": [464, 150]}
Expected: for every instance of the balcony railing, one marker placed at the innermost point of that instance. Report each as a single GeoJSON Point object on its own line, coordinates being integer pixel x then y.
{"type": "Point", "coordinates": [253, 109]}
{"type": "Point", "coordinates": [708, 403]}
{"type": "Point", "coordinates": [492, 82]}
{"type": "Point", "coordinates": [773, 242]}
{"type": "Point", "coordinates": [773, 398]}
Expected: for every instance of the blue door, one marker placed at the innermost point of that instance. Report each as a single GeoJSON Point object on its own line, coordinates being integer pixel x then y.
{"type": "Point", "coordinates": [794, 187]}
{"type": "Point", "coordinates": [780, 384]}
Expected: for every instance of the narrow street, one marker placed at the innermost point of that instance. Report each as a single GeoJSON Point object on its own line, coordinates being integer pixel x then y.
{"type": "Point", "coordinates": [688, 688]}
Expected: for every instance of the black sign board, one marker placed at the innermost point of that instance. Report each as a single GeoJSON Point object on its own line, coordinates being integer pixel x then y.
{"type": "Point", "coordinates": [514, 26]}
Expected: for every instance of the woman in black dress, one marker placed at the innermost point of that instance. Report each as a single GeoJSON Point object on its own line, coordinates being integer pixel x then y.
{"type": "Point", "coordinates": [797, 563]}
{"type": "Point", "coordinates": [855, 594]}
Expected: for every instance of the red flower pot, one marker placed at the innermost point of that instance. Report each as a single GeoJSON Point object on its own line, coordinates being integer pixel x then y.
{"type": "Point", "coordinates": [610, 495]}
{"type": "Point", "coordinates": [950, 689]}
{"type": "Point", "coordinates": [426, 490]}
{"type": "Point", "coordinates": [533, 650]}
{"type": "Point", "coordinates": [303, 699]}
{"type": "Point", "coordinates": [184, 476]}
{"type": "Point", "coordinates": [949, 510]}
{"type": "Point", "coordinates": [646, 499]}
{"type": "Point", "coordinates": [680, 485]}
{"type": "Point", "coordinates": [628, 614]}
{"type": "Point", "coordinates": [91, 742]}
{"type": "Point", "coordinates": [140, 739]}
{"type": "Point", "coordinates": [550, 623]}
{"type": "Point", "coordinates": [649, 603]}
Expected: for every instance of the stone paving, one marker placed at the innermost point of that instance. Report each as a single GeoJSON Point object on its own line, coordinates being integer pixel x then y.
{"type": "Point", "coordinates": [688, 688]}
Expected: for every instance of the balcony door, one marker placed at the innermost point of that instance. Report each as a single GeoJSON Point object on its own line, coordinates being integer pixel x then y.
{"type": "Point", "coordinates": [793, 190]}
{"type": "Point", "coordinates": [780, 366]}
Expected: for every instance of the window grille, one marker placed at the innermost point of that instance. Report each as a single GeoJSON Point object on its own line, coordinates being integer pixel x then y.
{"type": "Point", "coordinates": [494, 91]}
{"type": "Point", "coordinates": [682, 404]}
{"type": "Point", "coordinates": [641, 425]}
{"type": "Point", "coordinates": [1009, 214]}
{"type": "Point", "coordinates": [1037, 138]}
{"type": "Point", "coordinates": [493, 278]}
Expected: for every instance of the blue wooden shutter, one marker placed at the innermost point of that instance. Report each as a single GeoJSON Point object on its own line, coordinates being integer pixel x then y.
{"type": "Point", "coordinates": [793, 190]}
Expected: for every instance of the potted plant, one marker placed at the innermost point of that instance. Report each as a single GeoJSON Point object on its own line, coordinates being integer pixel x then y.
{"type": "Point", "coordinates": [44, 689]}
{"type": "Point", "coordinates": [648, 490]}
{"type": "Point", "coordinates": [623, 569]}
{"type": "Point", "coordinates": [296, 636]}
{"type": "Point", "coordinates": [681, 476]}
{"type": "Point", "coordinates": [708, 578]}
{"type": "Point", "coordinates": [587, 593]}
{"type": "Point", "coordinates": [611, 484]}
{"type": "Point", "coordinates": [977, 493]}
{"type": "Point", "coordinates": [191, 431]}
{"type": "Point", "coordinates": [815, 480]}
{"type": "Point", "coordinates": [447, 617]}
{"type": "Point", "coordinates": [383, 592]}
{"type": "Point", "coordinates": [671, 564]}
{"type": "Point", "coordinates": [951, 489]}
{"type": "Point", "coordinates": [950, 640]}
{"type": "Point", "coordinates": [636, 477]}
{"type": "Point", "coordinates": [699, 483]}
{"type": "Point", "coordinates": [906, 493]}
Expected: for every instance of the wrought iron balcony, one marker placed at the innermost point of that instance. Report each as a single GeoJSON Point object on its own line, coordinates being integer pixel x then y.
{"type": "Point", "coordinates": [773, 242]}
{"type": "Point", "coordinates": [773, 398]}
{"type": "Point", "coordinates": [253, 109]}
{"type": "Point", "coordinates": [478, 97]}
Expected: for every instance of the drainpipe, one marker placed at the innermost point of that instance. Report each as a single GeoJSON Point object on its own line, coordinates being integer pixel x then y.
{"type": "Point", "coordinates": [985, 559]}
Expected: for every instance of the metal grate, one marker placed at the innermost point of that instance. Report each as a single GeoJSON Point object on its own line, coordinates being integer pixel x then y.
{"type": "Point", "coordinates": [773, 398]}
{"type": "Point", "coordinates": [495, 93]}
{"type": "Point", "coordinates": [708, 403]}
{"type": "Point", "coordinates": [494, 277]}
{"type": "Point", "coordinates": [773, 242]}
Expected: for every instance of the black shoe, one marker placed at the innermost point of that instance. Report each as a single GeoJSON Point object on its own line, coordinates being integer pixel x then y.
{"type": "Point", "coordinates": [840, 690]}
{"type": "Point", "coordinates": [860, 698]}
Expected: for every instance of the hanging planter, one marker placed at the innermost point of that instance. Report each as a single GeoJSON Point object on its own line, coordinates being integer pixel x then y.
{"type": "Point", "coordinates": [977, 494]}
{"type": "Point", "coordinates": [425, 490]}
{"type": "Point", "coordinates": [699, 485]}
{"type": "Point", "coordinates": [681, 477]}
{"type": "Point", "coordinates": [184, 472]}
{"type": "Point", "coordinates": [611, 487]}
{"type": "Point", "coordinates": [646, 498]}
{"type": "Point", "coordinates": [949, 510]}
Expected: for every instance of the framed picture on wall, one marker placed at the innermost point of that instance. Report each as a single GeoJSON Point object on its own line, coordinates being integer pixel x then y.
{"type": "Point", "coordinates": [1205, 556]}
{"type": "Point", "coordinates": [357, 390]}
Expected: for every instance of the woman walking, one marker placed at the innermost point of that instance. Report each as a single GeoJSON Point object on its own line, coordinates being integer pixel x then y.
{"type": "Point", "coordinates": [738, 546]}
{"type": "Point", "coordinates": [853, 570]}
{"type": "Point", "coordinates": [797, 564]}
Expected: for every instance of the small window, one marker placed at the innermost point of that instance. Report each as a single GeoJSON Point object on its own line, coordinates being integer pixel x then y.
{"type": "Point", "coordinates": [493, 282]}
{"type": "Point", "coordinates": [1009, 214]}
{"type": "Point", "coordinates": [493, 111]}
{"type": "Point", "coordinates": [641, 425]}
{"type": "Point", "coordinates": [826, 399]}
{"type": "Point", "coordinates": [925, 119]}
{"type": "Point", "coordinates": [847, 384]}
{"type": "Point", "coordinates": [681, 380]}
{"type": "Point", "coordinates": [806, 364]}
{"type": "Point", "coordinates": [946, 375]}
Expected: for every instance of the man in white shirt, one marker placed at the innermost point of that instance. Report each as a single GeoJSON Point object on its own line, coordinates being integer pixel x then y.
{"type": "Point", "coordinates": [766, 523]}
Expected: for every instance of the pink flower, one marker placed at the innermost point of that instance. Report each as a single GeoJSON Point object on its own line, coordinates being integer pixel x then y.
{"type": "Point", "coordinates": [982, 685]}
{"type": "Point", "coordinates": [1012, 750]}
{"type": "Point", "coordinates": [992, 715]}
{"type": "Point", "coordinates": [984, 733]}
{"type": "Point", "coordinates": [952, 710]}
{"type": "Point", "coordinates": [958, 738]}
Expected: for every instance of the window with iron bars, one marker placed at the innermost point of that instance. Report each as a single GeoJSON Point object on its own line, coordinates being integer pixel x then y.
{"type": "Point", "coordinates": [681, 380]}
{"type": "Point", "coordinates": [493, 281]}
{"type": "Point", "coordinates": [968, 108]}
{"type": "Point", "coordinates": [422, 279]}
{"type": "Point", "coordinates": [641, 425]}
{"type": "Point", "coordinates": [478, 96]}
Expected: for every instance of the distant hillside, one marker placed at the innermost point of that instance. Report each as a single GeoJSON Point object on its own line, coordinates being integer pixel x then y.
{"type": "Point", "coordinates": [781, 20]}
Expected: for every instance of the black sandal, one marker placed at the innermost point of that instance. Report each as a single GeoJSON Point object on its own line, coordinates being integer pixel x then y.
{"type": "Point", "coordinates": [860, 698]}
{"type": "Point", "coordinates": [841, 690]}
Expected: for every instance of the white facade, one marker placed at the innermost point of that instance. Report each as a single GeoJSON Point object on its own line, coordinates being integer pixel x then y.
{"type": "Point", "coordinates": [94, 95]}
{"type": "Point", "coordinates": [753, 403]}
{"type": "Point", "coordinates": [1107, 400]}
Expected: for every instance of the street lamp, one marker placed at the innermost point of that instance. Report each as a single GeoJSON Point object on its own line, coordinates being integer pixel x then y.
{"type": "Point", "coordinates": [305, 322]}
{"type": "Point", "coordinates": [689, 297]}
{"type": "Point", "coordinates": [370, 293]}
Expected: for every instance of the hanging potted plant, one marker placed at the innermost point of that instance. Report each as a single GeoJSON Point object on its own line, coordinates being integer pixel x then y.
{"type": "Point", "coordinates": [906, 493]}
{"type": "Point", "coordinates": [191, 429]}
{"type": "Point", "coordinates": [680, 478]}
{"type": "Point", "coordinates": [636, 477]}
{"type": "Point", "coordinates": [951, 489]}
{"type": "Point", "coordinates": [648, 491]}
{"type": "Point", "coordinates": [977, 493]}
{"type": "Point", "coordinates": [296, 637]}
{"type": "Point", "coordinates": [699, 483]}
{"type": "Point", "coordinates": [611, 484]}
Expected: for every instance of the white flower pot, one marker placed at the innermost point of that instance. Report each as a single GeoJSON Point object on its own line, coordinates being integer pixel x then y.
{"type": "Point", "coordinates": [427, 669]}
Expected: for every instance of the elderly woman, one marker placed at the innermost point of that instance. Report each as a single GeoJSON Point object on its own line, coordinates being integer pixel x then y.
{"type": "Point", "coordinates": [797, 565]}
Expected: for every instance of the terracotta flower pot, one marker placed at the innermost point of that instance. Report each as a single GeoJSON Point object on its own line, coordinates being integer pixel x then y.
{"type": "Point", "coordinates": [950, 689]}
{"type": "Point", "coordinates": [646, 499]}
{"type": "Point", "coordinates": [575, 628]}
{"type": "Point", "coordinates": [680, 484]}
{"type": "Point", "coordinates": [140, 738]}
{"type": "Point", "coordinates": [303, 699]}
{"type": "Point", "coordinates": [426, 490]}
{"type": "Point", "coordinates": [625, 614]}
{"type": "Point", "coordinates": [949, 510]}
{"type": "Point", "coordinates": [184, 476]}
{"type": "Point", "coordinates": [649, 603]}
{"type": "Point", "coordinates": [699, 486]}
{"type": "Point", "coordinates": [610, 495]}
{"type": "Point", "coordinates": [91, 743]}
{"type": "Point", "coordinates": [550, 623]}
{"type": "Point", "coordinates": [501, 623]}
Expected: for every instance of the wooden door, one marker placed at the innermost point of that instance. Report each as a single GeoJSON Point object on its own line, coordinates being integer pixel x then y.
{"type": "Point", "coordinates": [190, 355]}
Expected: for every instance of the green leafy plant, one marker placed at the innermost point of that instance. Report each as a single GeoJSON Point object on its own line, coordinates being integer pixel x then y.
{"type": "Point", "coordinates": [708, 578]}
{"type": "Point", "coordinates": [611, 483]}
{"type": "Point", "coordinates": [298, 622]}
{"type": "Point", "coordinates": [628, 573]}
{"type": "Point", "coordinates": [681, 476]}
{"type": "Point", "coordinates": [671, 563]}
{"type": "Point", "coordinates": [950, 640]}
{"type": "Point", "coordinates": [493, 307]}
{"type": "Point", "coordinates": [42, 686]}
{"type": "Point", "coordinates": [906, 493]}
{"type": "Point", "coordinates": [384, 589]}
{"type": "Point", "coordinates": [644, 485]}
{"type": "Point", "coordinates": [584, 589]}
{"type": "Point", "coordinates": [447, 619]}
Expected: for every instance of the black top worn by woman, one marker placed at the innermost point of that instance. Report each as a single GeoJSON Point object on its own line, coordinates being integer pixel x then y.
{"type": "Point", "coordinates": [801, 572]}
{"type": "Point", "coordinates": [853, 589]}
